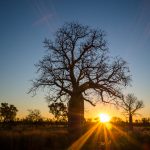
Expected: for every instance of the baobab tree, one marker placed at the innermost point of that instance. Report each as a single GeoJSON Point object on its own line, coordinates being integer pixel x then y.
{"type": "Point", "coordinates": [76, 66]}
{"type": "Point", "coordinates": [131, 105]}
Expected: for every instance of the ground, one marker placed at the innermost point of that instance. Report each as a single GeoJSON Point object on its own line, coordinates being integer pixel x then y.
{"type": "Point", "coordinates": [96, 137]}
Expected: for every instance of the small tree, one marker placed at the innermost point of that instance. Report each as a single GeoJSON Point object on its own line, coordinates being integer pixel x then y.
{"type": "Point", "coordinates": [59, 110]}
{"type": "Point", "coordinates": [131, 105]}
{"type": "Point", "coordinates": [8, 112]}
{"type": "Point", "coordinates": [34, 115]}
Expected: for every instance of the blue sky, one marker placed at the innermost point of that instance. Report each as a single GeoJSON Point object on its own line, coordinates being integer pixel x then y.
{"type": "Point", "coordinates": [25, 23]}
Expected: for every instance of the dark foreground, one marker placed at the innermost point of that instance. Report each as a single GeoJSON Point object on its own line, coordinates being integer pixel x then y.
{"type": "Point", "coordinates": [99, 137]}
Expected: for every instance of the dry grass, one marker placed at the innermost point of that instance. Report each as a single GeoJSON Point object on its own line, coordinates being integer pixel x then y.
{"type": "Point", "coordinates": [56, 138]}
{"type": "Point", "coordinates": [34, 138]}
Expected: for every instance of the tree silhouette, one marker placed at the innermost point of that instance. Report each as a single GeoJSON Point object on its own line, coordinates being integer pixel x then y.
{"type": "Point", "coordinates": [116, 120]}
{"type": "Point", "coordinates": [34, 115]}
{"type": "Point", "coordinates": [77, 67]}
{"type": "Point", "coordinates": [131, 105]}
{"type": "Point", "coordinates": [8, 112]}
{"type": "Point", "coordinates": [59, 110]}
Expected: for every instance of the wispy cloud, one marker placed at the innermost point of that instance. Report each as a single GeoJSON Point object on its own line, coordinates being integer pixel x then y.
{"type": "Point", "coordinates": [44, 19]}
{"type": "Point", "coordinates": [45, 14]}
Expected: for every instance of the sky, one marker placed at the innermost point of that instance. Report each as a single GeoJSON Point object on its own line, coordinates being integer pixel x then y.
{"type": "Point", "coordinates": [24, 24]}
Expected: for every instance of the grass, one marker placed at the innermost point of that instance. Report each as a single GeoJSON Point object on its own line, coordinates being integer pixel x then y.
{"type": "Point", "coordinates": [34, 138]}
{"type": "Point", "coordinates": [56, 138]}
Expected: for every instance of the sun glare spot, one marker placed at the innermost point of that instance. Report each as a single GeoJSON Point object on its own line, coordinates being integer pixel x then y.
{"type": "Point", "coordinates": [104, 118]}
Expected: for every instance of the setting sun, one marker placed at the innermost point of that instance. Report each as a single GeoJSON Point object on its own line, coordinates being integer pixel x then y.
{"type": "Point", "coordinates": [104, 118]}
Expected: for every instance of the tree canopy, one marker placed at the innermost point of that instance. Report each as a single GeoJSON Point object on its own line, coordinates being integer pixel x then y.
{"type": "Point", "coordinates": [59, 110]}
{"type": "Point", "coordinates": [34, 115]}
{"type": "Point", "coordinates": [78, 58]}
{"type": "Point", "coordinates": [8, 112]}
{"type": "Point", "coordinates": [131, 105]}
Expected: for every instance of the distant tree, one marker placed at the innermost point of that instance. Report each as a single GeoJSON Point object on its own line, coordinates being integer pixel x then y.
{"type": "Point", "coordinates": [145, 121]}
{"type": "Point", "coordinates": [89, 120]}
{"type": "Point", "coordinates": [1, 119]}
{"type": "Point", "coordinates": [77, 67]}
{"type": "Point", "coordinates": [59, 110]}
{"type": "Point", "coordinates": [8, 112]}
{"type": "Point", "coordinates": [131, 105]}
{"type": "Point", "coordinates": [96, 119]}
{"type": "Point", "coordinates": [34, 115]}
{"type": "Point", "coordinates": [116, 120]}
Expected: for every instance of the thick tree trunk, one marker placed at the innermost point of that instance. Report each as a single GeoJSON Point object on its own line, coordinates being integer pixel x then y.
{"type": "Point", "coordinates": [130, 122]}
{"type": "Point", "coordinates": [76, 115]}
